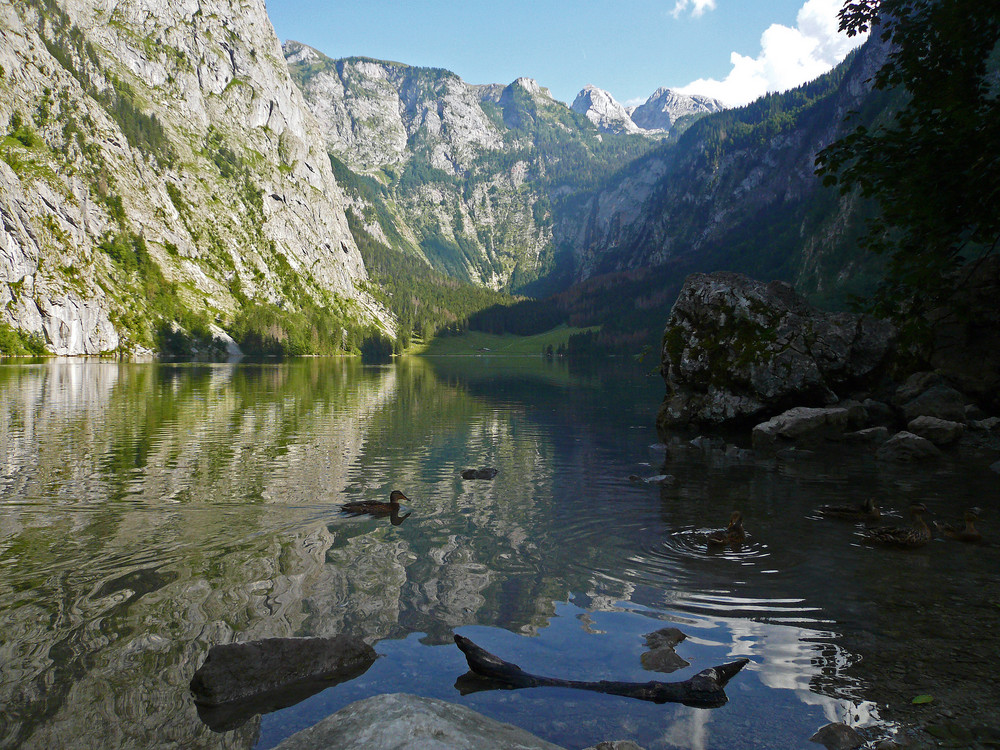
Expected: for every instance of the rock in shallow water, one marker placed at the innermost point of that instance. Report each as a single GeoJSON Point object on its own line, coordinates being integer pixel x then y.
{"type": "Point", "coordinates": [736, 349]}
{"type": "Point", "coordinates": [407, 722]}
{"type": "Point", "coordinates": [838, 737]}
{"type": "Point", "coordinates": [239, 671]}
{"type": "Point", "coordinates": [905, 446]}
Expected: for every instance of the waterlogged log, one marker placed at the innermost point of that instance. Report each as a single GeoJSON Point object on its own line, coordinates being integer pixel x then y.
{"type": "Point", "coordinates": [705, 690]}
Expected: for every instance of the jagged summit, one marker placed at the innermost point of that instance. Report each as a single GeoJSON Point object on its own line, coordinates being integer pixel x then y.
{"type": "Point", "coordinates": [658, 114]}
{"type": "Point", "coordinates": [662, 110]}
{"type": "Point", "coordinates": [598, 106]}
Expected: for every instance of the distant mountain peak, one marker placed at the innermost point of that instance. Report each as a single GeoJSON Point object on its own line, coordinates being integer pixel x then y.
{"type": "Point", "coordinates": [598, 106]}
{"type": "Point", "coordinates": [666, 106]}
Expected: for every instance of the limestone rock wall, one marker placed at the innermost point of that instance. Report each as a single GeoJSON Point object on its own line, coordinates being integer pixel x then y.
{"type": "Point", "coordinates": [176, 123]}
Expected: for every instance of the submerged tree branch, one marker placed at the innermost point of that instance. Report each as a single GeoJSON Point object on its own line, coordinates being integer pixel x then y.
{"type": "Point", "coordinates": [705, 690]}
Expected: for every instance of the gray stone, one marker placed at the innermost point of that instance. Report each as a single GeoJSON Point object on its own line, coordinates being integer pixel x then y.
{"type": "Point", "coordinates": [938, 431]}
{"type": "Point", "coordinates": [407, 722]}
{"type": "Point", "coordinates": [661, 110]}
{"type": "Point", "coordinates": [663, 659]}
{"type": "Point", "coordinates": [868, 436]}
{"type": "Point", "coordinates": [905, 446]}
{"type": "Point", "coordinates": [238, 671]}
{"type": "Point", "coordinates": [664, 637]}
{"type": "Point", "coordinates": [805, 425]}
{"type": "Point", "coordinates": [987, 425]}
{"type": "Point", "coordinates": [879, 412]}
{"type": "Point", "coordinates": [615, 745]}
{"type": "Point", "coordinates": [738, 350]}
{"type": "Point", "coordinates": [995, 467]}
{"type": "Point", "coordinates": [940, 400]}
{"type": "Point", "coordinates": [838, 737]}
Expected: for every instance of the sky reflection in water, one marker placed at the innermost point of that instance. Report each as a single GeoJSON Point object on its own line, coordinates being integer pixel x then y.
{"type": "Point", "coordinates": [150, 511]}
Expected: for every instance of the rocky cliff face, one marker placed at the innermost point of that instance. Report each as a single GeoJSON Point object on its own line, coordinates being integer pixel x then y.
{"type": "Point", "coordinates": [468, 175]}
{"type": "Point", "coordinates": [159, 162]}
{"type": "Point", "coordinates": [737, 191]}
{"type": "Point", "coordinates": [665, 107]}
{"type": "Point", "coordinates": [598, 106]}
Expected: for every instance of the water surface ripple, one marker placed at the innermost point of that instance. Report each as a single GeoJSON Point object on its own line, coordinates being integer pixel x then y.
{"type": "Point", "coordinates": [150, 511]}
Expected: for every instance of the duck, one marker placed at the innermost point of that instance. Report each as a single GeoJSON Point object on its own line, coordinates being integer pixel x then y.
{"type": "Point", "coordinates": [916, 534]}
{"type": "Point", "coordinates": [375, 507]}
{"type": "Point", "coordinates": [732, 534]}
{"type": "Point", "coordinates": [969, 534]}
{"type": "Point", "coordinates": [866, 511]}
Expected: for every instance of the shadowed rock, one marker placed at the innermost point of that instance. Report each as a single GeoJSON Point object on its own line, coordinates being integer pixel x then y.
{"type": "Point", "coordinates": [239, 680]}
{"type": "Point", "coordinates": [739, 350]}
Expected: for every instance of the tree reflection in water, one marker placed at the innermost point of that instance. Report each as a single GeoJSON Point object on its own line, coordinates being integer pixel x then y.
{"type": "Point", "coordinates": [150, 511]}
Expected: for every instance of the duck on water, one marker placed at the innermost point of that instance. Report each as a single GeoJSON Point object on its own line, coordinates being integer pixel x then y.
{"type": "Point", "coordinates": [378, 507]}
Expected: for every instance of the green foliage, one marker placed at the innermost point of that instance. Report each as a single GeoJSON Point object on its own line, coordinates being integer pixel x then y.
{"type": "Point", "coordinates": [264, 329]}
{"type": "Point", "coordinates": [27, 137]}
{"type": "Point", "coordinates": [521, 318]}
{"type": "Point", "coordinates": [142, 131]}
{"type": "Point", "coordinates": [66, 43]}
{"type": "Point", "coordinates": [932, 169]}
{"type": "Point", "coordinates": [18, 343]}
{"type": "Point", "coordinates": [423, 300]}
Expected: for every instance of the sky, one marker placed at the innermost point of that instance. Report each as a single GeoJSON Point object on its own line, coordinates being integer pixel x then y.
{"type": "Point", "coordinates": [734, 50]}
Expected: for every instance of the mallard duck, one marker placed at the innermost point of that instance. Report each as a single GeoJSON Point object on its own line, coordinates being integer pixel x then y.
{"type": "Point", "coordinates": [867, 511]}
{"type": "Point", "coordinates": [375, 507]}
{"type": "Point", "coordinates": [969, 534]}
{"type": "Point", "coordinates": [732, 534]}
{"type": "Point", "coordinates": [916, 534]}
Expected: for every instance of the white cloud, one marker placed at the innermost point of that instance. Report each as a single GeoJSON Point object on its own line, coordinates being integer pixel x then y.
{"type": "Point", "coordinates": [788, 57]}
{"type": "Point", "coordinates": [697, 7]}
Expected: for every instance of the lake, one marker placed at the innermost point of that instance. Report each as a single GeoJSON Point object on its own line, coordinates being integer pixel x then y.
{"type": "Point", "coordinates": [149, 511]}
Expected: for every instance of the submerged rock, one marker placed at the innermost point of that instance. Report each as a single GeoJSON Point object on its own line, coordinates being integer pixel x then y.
{"type": "Point", "coordinates": [242, 671]}
{"type": "Point", "coordinates": [407, 722]}
{"type": "Point", "coordinates": [838, 737]}
{"type": "Point", "coordinates": [737, 350]}
{"type": "Point", "coordinates": [487, 472]}
{"type": "Point", "coordinates": [661, 657]}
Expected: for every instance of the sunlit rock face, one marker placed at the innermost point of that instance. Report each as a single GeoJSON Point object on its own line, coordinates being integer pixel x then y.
{"type": "Point", "coordinates": [598, 106]}
{"type": "Point", "coordinates": [665, 107]}
{"type": "Point", "coordinates": [736, 349]}
{"type": "Point", "coordinates": [176, 123]}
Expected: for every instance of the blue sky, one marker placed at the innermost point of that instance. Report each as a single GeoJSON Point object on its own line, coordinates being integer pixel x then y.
{"type": "Point", "coordinates": [732, 49]}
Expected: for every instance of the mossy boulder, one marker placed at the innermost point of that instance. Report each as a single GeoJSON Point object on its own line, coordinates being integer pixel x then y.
{"type": "Point", "coordinates": [736, 350]}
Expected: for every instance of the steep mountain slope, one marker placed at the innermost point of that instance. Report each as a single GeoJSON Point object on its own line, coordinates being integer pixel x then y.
{"type": "Point", "coordinates": [737, 190]}
{"type": "Point", "coordinates": [467, 177]}
{"type": "Point", "coordinates": [161, 170]}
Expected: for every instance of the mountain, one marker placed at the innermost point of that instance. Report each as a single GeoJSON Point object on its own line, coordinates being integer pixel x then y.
{"type": "Point", "coordinates": [598, 106]}
{"type": "Point", "coordinates": [161, 176]}
{"type": "Point", "coordinates": [736, 191]}
{"type": "Point", "coordinates": [468, 178]}
{"type": "Point", "coordinates": [663, 110]}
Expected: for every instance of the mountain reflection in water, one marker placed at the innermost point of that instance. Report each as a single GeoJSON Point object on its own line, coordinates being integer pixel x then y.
{"type": "Point", "coordinates": [150, 511]}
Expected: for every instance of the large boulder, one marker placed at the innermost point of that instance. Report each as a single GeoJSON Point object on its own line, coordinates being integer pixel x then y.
{"type": "Point", "coordinates": [407, 722]}
{"type": "Point", "coordinates": [804, 424]}
{"type": "Point", "coordinates": [244, 671]}
{"type": "Point", "coordinates": [739, 350]}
